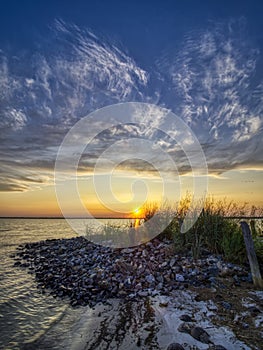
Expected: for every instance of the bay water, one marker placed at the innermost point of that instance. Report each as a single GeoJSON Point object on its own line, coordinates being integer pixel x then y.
{"type": "Point", "coordinates": [26, 314]}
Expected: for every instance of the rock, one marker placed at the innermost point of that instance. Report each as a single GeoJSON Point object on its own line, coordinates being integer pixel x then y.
{"type": "Point", "coordinates": [213, 280]}
{"type": "Point", "coordinates": [245, 325]}
{"type": "Point", "coordinates": [145, 253]}
{"type": "Point", "coordinates": [154, 293]}
{"type": "Point", "coordinates": [253, 310]}
{"type": "Point", "coordinates": [87, 273]}
{"type": "Point", "coordinates": [138, 343]}
{"type": "Point", "coordinates": [164, 264]}
{"type": "Point", "coordinates": [184, 328]}
{"type": "Point", "coordinates": [150, 278]}
{"type": "Point", "coordinates": [163, 304]}
{"type": "Point", "coordinates": [200, 334]}
{"type": "Point", "coordinates": [138, 286]}
{"type": "Point", "coordinates": [177, 268]}
{"type": "Point", "coordinates": [127, 250]}
{"type": "Point", "coordinates": [159, 286]}
{"type": "Point", "coordinates": [226, 305]}
{"type": "Point", "coordinates": [217, 347]}
{"type": "Point", "coordinates": [179, 278]}
{"type": "Point", "coordinates": [226, 272]}
{"type": "Point", "coordinates": [172, 262]}
{"type": "Point", "coordinates": [195, 272]}
{"type": "Point", "coordinates": [160, 278]}
{"type": "Point", "coordinates": [236, 280]}
{"type": "Point", "coordinates": [186, 318]}
{"type": "Point", "coordinates": [175, 346]}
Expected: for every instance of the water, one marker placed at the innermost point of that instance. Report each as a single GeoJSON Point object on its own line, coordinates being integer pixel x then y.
{"type": "Point", "coordinates": [25, 313]}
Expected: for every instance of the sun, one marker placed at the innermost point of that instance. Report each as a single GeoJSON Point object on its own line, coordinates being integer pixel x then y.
{"type": "Point", "coordinates": [137, 212]}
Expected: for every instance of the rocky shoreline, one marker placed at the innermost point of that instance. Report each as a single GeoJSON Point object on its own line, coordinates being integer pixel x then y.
{"type": "Point", "coordinates": [87, 273]}
{"type": "Point", "coordinates": [151, 280]}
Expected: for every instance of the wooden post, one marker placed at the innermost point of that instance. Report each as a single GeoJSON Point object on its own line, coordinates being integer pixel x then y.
{"type": "Point", "coordinates": [253, 261]}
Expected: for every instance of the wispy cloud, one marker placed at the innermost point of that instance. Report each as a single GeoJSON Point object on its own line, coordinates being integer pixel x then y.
{"type": "Point", "coordinates": [211, 81]}
{"type": "Point", "coordinates": [43, 94]}
{"type": "Point", "coordinates": [84, 73]}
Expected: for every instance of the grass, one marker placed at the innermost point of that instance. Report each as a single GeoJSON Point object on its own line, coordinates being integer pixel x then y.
{"type": "Point", "coordinates": [109, 234]}
{"type": "Point", "coordinates": [212, 231]}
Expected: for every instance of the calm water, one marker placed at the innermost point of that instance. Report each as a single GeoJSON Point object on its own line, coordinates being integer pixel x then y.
{"type": "Point", "coordinates": [25, 314]}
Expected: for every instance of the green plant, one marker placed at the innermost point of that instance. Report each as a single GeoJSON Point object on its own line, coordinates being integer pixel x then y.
{"type": "Point", "coordinates": [258, 242]}
{"type": "Point", "coordinates": [214, 230]}
{"type": "Point", "coordinates": [233, 246]}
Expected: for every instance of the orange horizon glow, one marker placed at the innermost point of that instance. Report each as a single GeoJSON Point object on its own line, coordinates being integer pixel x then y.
{"type": "Point", "coordinates": [42, 202]}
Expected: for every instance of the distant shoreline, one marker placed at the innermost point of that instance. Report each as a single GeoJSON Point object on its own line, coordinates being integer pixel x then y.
{"type": "Point", "coordinates": [61, 217]}
{"type": "Point", "coordinates": [113, 218]}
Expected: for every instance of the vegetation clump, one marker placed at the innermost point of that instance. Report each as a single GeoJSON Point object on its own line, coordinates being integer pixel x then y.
{"type": "Point", "coordinates": [217, 228]}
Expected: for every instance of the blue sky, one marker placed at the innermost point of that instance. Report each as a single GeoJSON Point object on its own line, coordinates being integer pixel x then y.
{"type": "Point", "coordinates": [143, 27]}
{"type": "Point", "coordinates": [60, 60]}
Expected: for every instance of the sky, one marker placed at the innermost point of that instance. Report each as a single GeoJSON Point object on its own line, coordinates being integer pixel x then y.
{"type": "Point", "coordinates": [62, 60]}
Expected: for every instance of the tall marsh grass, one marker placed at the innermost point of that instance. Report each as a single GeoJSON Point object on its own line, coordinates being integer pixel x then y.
{"type": "Point", "coordinates": [215, 229]}
{"type": "Point", "coordinates": [212, 231]}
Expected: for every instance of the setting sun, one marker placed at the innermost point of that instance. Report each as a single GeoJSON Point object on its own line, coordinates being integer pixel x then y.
{"type": "Point", "coordinates": [137, 212]}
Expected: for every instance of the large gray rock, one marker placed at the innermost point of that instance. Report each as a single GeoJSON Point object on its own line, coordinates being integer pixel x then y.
{"type": "Point", "coordinates": [200, 334]}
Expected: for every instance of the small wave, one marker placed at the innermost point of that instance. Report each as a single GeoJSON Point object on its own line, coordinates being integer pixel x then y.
{"type": "Point", "coordinates": [2, 245]}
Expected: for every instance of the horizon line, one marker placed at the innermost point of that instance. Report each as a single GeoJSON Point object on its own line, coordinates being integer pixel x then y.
{"type": "Point", "coordinates": [62, 217]}
{"type": "Point", "coordinates": [113, 217]}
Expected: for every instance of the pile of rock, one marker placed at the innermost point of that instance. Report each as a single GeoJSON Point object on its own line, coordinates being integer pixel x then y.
{"type": "Point", "coordinates": [87, 273]}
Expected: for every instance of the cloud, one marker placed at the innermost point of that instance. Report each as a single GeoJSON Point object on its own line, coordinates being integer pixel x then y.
{"type": "Point", "coordinates": [211, 81]}
{"type": "Point", "coordinates": [83, 74]}
{"type": "Point", "coordinates": [14, 119]}
{"type": "Point", "coordinates": [22, 176]}
{"type": "Point", "coordinates": [43, 94]}
{"type": "Point", "coordinates": [12, 187]}
{"type": "Point", "coordinates": [217, 86]}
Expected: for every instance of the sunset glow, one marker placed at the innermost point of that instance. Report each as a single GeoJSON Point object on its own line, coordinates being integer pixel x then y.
{"type": "Point", "coordinates": [137, 212]}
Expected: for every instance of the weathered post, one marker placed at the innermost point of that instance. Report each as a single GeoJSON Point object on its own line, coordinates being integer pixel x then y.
{"type": "Point", "coordinates": [251, 254]}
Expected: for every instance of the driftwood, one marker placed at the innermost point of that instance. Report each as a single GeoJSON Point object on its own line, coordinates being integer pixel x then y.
{"type": "Point", "coordinates": [251, 254]}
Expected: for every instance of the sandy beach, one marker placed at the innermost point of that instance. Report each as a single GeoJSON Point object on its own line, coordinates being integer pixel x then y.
{"type": "Point", "coordinates": [150, 325]}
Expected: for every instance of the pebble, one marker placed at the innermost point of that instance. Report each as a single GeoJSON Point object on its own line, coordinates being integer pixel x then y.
{"type": "Point", "coordinates": [87, 273]}
{"type": "Point", "coordinates": [186, 318]}
{"type": "Point", "coordinates": [150, 278]}
{"type": "Point", "coordinates": [245, 325]}
{"type": "Point", "coordinates": [179, 278]}
{"type": "Point", "coordinates": [226, 305]}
